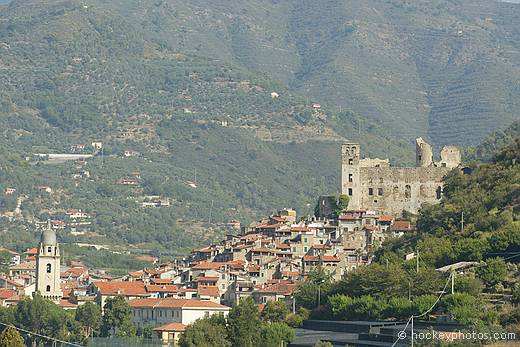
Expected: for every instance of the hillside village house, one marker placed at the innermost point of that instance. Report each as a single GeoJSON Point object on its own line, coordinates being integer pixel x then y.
{"type": "Point", "coordinates": [157, 312]}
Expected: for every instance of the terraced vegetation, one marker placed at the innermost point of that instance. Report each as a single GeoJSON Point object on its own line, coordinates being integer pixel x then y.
{"type": "Point", "coordinates": [187, 87]}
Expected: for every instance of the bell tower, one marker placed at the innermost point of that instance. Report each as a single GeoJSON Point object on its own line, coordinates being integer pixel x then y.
{"type": "Point", "coordinates": [350, 174]}
{"type": "Point", "coordinates": [48, 266]}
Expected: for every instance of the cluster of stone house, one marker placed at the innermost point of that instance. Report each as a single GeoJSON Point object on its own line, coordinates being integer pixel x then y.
{"type": "Point", "coordinates": [264, 261]}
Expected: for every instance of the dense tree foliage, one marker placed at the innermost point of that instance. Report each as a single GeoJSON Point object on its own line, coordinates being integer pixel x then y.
{"type": "Point", "coordinates": [10, 337]}
{"type": "Point", "coordinates": [116, 318]}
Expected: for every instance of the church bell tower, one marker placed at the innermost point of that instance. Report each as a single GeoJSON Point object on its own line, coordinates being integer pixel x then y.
{"type": "Point", "coordinates": [48, 266]}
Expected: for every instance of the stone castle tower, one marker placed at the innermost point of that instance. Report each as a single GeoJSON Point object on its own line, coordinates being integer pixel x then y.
{"type": "Point", "coordinates": [48, 266]}
{"type": "Point", "coordinates": [372, 184]}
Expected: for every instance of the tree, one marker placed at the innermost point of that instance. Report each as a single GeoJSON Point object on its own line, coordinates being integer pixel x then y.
{"type": "Point", "coordinates": [493, 271]}
{"type": "Point", "coordinates": [275, 333]}
{"type": "Point", "coordinates": [39, 315]}
{"type": "Point", "coordinates": [10, 337]}
{"type": "Point", "coordinates": [339, 305]}
{"type": "Point", "coordinates": [116, 319]}
{"type": "Point", "coordinates": [244, 324]}
{"type": "Point", "coordinates": [316, 285]}
{"type": "Point", "coordinates": [205, 332]}
{"type": "Point", "coordinates": [465, 308]}
{"type": "Point", "coordinates": [275, 311]}
{"type": "Point", "coordinates": [5, 259]}
{"type": "Point", "coordinates": [89, 317]}
{"type": "Point", "coordinates": [343, 201]}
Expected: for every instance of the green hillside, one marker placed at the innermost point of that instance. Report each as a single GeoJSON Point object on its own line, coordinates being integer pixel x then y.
{"type": "Point", "coordinates": [436, 68]}
{"type": "Point", "coordinates": [187, 88]}
{"type": "Point", "coordinates": [74, 73]}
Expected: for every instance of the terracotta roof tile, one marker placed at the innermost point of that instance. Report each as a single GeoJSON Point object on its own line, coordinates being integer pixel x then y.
{"type": "Point", "coordinates": [175, 327]}
{"type": "Point", "coordinates": [121, 288]}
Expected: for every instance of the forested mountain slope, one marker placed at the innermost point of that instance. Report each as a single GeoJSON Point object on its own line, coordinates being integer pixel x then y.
{"type": "Point", "coordinates": [73, 73]}
{"type": "Point", "coordinates": [219, 93]}
{"type": "Point", "coordinates": [437, 68]}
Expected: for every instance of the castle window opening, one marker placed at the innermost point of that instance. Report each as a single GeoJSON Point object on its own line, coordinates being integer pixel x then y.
{"type": "Point", "coordinates": [407, 191]}
{"type": "Point", "coordinates": [48, 288]}
{"type": "Point", "coordinates": [380, 191]}
{"type": "Point", "coordinates": [49, 268]}
{"type": "Point", "coordinates": [351, 161]}
{"type": "Point", "coordinates": [370, 191]}
{"type": "Point", "coordinates": [49, 249]}
{"type": "Point", "coordinates": [350, 178]}
{"type": "Point", "coordinates": [350, 191]}
{"type": "Point", "coordinates": [438, 193]}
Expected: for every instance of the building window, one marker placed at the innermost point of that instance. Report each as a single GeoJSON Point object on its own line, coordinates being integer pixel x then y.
{"type": "Point", "coordinates": [370, 191]}
{"type": "Point", "coordinates": [380, 191]}
{"type": "Point", "coordinates": [350, 191]}
{"type": "Point", "coordinates": [351, 161]}
{"type": "Point", "coordinates": [48, 288]}
{"type": "Point", "coordinates": [49, 249]}
{"type": "Point", "coordinates": [305, 249]}
{"type": "Point", "coordinates": [350, 177]}
{"type": "Point", "coordinates": [49, 268]}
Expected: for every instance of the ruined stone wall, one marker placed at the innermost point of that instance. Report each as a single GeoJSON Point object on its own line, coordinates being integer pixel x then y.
{"type": "Point", "coordinates": [372, 184]}
{"type": "Point", "coordinates": [392, 190]}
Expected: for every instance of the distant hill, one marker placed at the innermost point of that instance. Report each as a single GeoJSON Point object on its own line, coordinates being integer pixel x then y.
{"type": "Point", "coordinates": [248, 100]}
{"type": "Point", "coordinates": [437, 68]}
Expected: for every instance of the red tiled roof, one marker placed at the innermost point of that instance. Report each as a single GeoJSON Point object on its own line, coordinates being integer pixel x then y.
{"type": "Point", "coordinates": [386, 218]}
{"type": "Point", "coordinates": [283, 246]}
{"type": "Point", "coordinates": [161, 281]}
{"type": "Point", "coordinates": [208, 291]}
{"type": "Point", "coordinates": [74, 272]}
{"type": "Point", "coordinates": [156, 288]}
{"type": "Point", "coordinates": [262, 249]}
{"type": "Point", "coordinates": [174, 327]}
{"type": "Point", "coordinates": [31, 251]}
{"type": "Point", "coordinates": [401, 225]}
{"type": "Point", "coordinates": [206, 279]}
{"type": "Point", "coordinates": [136, 273]}
{"type": "Point", "coordinates": [28, 265]}
{"type": "Point", "coordinates": [66, 303]}
{"type": "Point", "coordinates": [278, 288]}
{"type": "Point", "coordinates": [121, 288]}
{"type": "Point", "coordinates": [7, 293]}
{"type": "Point", "coordinates": [176, 303]}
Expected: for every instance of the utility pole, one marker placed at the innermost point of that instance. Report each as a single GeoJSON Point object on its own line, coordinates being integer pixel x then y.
{"type": "Point", "coordinates": [452, 281]}
{"type": "Point", "coordinates": [417, 261]}
{"type": "Point", "coordinates": [412, 332]}
{"type": "Point", "coordinates": [293, 304]}
{"type": "Point", "coordinates": [462, 223]}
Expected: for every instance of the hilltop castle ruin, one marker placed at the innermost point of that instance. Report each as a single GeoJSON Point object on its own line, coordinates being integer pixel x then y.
{"type": "Point", "coordinates": [372, 184]}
